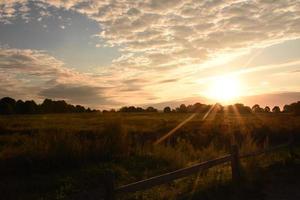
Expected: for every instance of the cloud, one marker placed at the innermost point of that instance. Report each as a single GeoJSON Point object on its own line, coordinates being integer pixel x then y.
{"type": "Point", "coordinates": [33, 74]}
{"type": "Point", "coordinates": [32, 61]}
{"type": "Point", "coordinates": [169, 80]}
{"type": "Point", "coordinates": [190, 32]}
{"type": "Point", "coordinates": [268, 67]}
{"type": "Point", "coordinates": [83, 94]}
{"type": "Point", "coordinates": [160, 41]}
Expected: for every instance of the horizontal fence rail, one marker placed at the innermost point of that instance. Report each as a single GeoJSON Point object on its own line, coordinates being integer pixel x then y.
{"type": "Point", "coordinates": [168, 177]}
{"type": "Point", "coordinates": [233, 158]}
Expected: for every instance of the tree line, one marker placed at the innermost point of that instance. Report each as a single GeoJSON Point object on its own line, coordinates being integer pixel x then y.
{"type": "Point", "coordinates": [203, 108]}
{"type": "Point", "coordinates": [11, 106]}
{"type": "Point", "coordinates": [238, 107]}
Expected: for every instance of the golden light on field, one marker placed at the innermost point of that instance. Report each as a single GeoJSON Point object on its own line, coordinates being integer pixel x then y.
{"type": "Point", "coordinates": [224, 89]}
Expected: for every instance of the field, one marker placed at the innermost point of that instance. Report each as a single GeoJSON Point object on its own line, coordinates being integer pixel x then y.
{"type": "Point", "coordinates": [62, 156]}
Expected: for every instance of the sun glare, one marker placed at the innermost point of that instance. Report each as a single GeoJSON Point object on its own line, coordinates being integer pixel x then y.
{"type": "Point", "coordinates": [224, 89]}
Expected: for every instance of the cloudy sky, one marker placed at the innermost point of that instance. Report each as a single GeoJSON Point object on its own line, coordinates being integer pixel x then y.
{"type": "Point", "coordinates": [111, 53]}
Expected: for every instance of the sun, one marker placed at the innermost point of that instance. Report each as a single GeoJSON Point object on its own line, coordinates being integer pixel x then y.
{"type": "Point", "coordinates": [224, 89]}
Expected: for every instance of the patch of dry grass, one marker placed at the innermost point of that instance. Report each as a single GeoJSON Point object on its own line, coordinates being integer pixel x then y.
{"type": "Point", "coordinates": [123, 142]}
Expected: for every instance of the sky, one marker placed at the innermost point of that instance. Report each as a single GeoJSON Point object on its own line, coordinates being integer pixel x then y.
{"type": "Point", "coordinates": [112, 53]}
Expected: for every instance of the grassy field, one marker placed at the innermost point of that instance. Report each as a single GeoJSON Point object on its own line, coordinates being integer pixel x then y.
{"type": "Point", "coordinates": [60, 156]}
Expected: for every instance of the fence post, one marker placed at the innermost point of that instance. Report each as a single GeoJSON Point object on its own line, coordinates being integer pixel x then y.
{"type": "Point", "coordinates": [109, 184]}
{"type": "Point", "coordinates": [235, 164]}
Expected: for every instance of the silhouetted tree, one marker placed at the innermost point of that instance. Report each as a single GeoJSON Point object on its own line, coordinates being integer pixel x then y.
{"type": "Point", "coordinates": [257, 109]}
{"type": "Point", "coordinates": [123, 109]}
{"type": "Point", "coordinates": [182, 108]}
{"type": "Point", "coordinates": [30, 107]}
{"type": "Point", "coordinates": [47, 106]}
{"type": "Point", "coordinates": [267, 109]}
{"type": "Point", "coordinates": [79, 109]}
{"type": "Point", "coordinates": [292, 108]}
{"type": "Point", "coordinates": [229, 109]}
{"type": "Point", "coordinates": [139, 109]}
{"type": "Point", "coordinates": [287, 108]}
{"type": "Point", "coordinates": [276, 109]}
{"type": "Point", "coordinates": [20, 107]}
{"type": "Point", "coordinates": [167, 109]}
{"type": "Point", "coordinates": [241, 108]}
{"type": "Point", "coordinates": [7, 106]}
{"type": "Point", "coordinates": [10, 106]}
{"type": "Point", "coordinates": [131, 109]}
{"type": "Point", "coordinates": [151, 109]}
{"type": "Point", "coordinates": [198, 107]}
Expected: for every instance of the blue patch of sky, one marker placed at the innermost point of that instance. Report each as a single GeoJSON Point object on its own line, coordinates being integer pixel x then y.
{"type": "Point", "coordinates": [65, 34]}
{"type": "Point", "coordinates": [283, 52]}
{"type": "Point", "coordinates": [286, 51]}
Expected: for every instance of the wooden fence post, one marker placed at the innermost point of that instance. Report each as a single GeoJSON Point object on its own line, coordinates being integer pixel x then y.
{"type": "Point", "coordinates": [235, 164]}
{"type": "Point", "coordinates": [109, 184]}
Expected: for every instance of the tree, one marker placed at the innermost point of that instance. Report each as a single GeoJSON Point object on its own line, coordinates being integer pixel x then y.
{"type": "Point", "coordinates": [128, 109]}
{"type": "Point", "coordinates": [287, 108]}
{"type": "Point", "coordinates": [257, 109]}
{"type": "Point", "coordinates": [151, 109]}
{"type": "Point", "coordinates": [267, 109]}
{"type": "Point", "coordinates": [198, 107]}
{"type": "Point", "coordinates": [230, 109]}
{"type": "Point", "coordinates": [20, 107]}
{"type": "Point", "coordinates": [139, 109]}
{"type": "Point", "coordinates": [167, 109]}
{"type": "Point", "coordinates": [131, 109]}
{"type": "Point", "coordinates": [30, 107]}
{"type": "Point", "coordinates": [79, 109]}
{"type": "Point", "coordinates": [10, 106]}
{"type": "Point", "coordinates": [7, 106]}
{"type": "Point", "coordinates": [241, 108]}
{"type": "Point", "coordinates": [276, 109]}
{"type": "Point", "coordinates": [47, 106]}
{"type": "Point", "coordinates": [292, 108]}
{"type": "Point", "coordinates": [182, 108]}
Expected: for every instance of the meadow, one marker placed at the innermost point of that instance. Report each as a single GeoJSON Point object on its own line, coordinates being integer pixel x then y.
{"type": "Point", "coordinates": [62, 156]}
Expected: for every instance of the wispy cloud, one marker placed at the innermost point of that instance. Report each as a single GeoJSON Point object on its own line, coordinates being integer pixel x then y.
{"type": "Point", "coordinates": [35, 74]}
{"type": "Point", "coordinates": [83, 94]}
{"type": "Point", "coordinates": [268, 67]}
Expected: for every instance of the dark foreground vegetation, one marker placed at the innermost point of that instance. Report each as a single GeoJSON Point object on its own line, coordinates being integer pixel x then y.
{"type": "Point", "coordinates": [63, 156]}
{"type": "Point", "coordinates": [45, 154]}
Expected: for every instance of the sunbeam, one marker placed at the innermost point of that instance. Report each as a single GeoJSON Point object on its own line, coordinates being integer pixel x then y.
{"type": "Point", "coordinates": [170, 133]}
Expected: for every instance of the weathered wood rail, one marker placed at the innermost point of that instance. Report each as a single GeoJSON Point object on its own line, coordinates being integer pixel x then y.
{"type": "Point", "coordinates": [168, 177]}
{"type": "Point", "coordinates": [233, 158]}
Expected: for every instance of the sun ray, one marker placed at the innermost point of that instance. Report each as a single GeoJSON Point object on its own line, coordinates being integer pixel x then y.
{"type": "Point", "coordinates": [167, 135]}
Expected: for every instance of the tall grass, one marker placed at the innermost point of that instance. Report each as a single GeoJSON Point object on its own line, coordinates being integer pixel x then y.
{"type": "Point", "coordinates": [124, 143]}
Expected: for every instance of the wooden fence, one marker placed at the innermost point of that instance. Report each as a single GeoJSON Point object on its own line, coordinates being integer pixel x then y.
{"type": "Point", "coordinates": [233, 158]}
